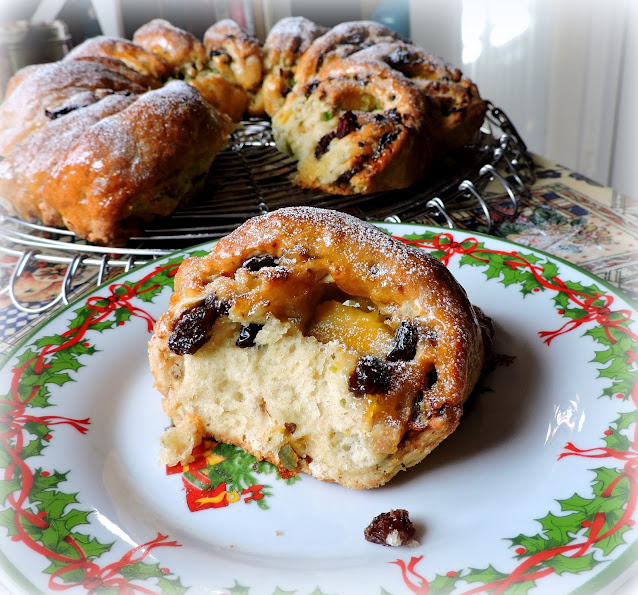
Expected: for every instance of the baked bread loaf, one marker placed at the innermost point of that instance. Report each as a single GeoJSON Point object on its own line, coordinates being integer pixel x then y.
{"type": "Point", "coordinates": [106, 161]}
{"type": "Point", "coordinates": [189, 61]}
{"type": "Point", "coordinates": [360, 109]}
{"type": "Point", "coordinates": [319, 343]}
{"type": "Point", "coordinates": [453, 102]}
{"type": "Point", "coordinates": [287, 41]}
{"type": "Point", "coordinates": [237, 56]}
{"type": "Point", "coordinates": [360, 128]}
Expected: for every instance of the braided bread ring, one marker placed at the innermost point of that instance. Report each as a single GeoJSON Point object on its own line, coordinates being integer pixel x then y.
{"type": "Point", "coordinates": [300, 411]}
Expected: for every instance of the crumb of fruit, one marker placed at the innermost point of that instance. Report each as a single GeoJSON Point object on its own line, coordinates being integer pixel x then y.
{"type": "Point", "coordinates": [392, 528]}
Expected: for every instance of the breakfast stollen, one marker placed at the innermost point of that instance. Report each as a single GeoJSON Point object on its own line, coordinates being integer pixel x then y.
{"type": "Point", "coordinates": [319, 343]}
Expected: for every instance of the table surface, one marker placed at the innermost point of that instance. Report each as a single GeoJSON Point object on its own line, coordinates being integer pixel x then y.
{"type": "Point", "coordinates": [564, 214]}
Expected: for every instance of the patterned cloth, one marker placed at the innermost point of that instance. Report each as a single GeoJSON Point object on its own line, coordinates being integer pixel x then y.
{"type": "Point", "coordinates": [570, 216]}
{"type": "Point", "coordinates": [565, 214]}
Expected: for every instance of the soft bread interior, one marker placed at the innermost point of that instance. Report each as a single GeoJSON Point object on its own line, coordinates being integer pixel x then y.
{"type": "Point", "coordinates": [319, 343]}
{"type": "Point", "coordinates": [288, 398]}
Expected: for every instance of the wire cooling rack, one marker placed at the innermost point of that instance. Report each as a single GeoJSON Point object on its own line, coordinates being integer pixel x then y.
{"type": "Point", "coordinates": [251, 177]}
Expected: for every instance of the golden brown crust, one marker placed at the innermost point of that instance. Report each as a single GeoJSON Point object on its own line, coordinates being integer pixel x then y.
{"type": "Point", "coordinates": [359, 260]}
{"type": "Point", "coordinates": [189, 60]}
{"type": "Point", "coordinates": [49, 87]}
{"type": "Point", "coordinates": [120, 67]}
{"type": "Point", "coordinates": [24, 172]}
{"type": "Point", "coordinates": [457, 110]}
{"type": "Point", "coordinates": [340, 42]}
{"type": "Point", "coordinates": [117, 176]}
{"type": "Point", "coordinates": [132, 54]}
{"type": "Point", "coordinates": [181, 50]}
{"type": "Point", "coordinates": [236, 53]}
{"type": "Point", "coordinates": [284, 46]}
{"type": "Point", "coordinates": [16, 80]}
{"type": "Point", "coordinates": [226, 96]}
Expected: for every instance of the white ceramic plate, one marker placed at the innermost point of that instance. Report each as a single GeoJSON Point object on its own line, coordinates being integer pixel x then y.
{"type": "Point", "coordinates": [535, 492]}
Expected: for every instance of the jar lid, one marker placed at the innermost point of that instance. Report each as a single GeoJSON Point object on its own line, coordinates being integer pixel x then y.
{"type": "Point", "coordinates": [28, 32]}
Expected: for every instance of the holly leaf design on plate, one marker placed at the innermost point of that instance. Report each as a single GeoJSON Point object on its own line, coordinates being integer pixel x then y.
{"type": "Point", "coordinates": [140, 571]}
{"type": "Point", "coordinates": [444, 584]}
{"type": "Point", "coordinates": [574, 565]}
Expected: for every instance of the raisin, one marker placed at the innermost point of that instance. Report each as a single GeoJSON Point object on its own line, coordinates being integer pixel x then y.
{"type": "Point", "coordinates": [254, 263]}
{"type": "Point", "coordinates": [348, 123]}
{"type": "Point", "coordinates": [345, 177]}
{"type": "Point", "coordinates": [290, 427]}
{"type": "Point", "coordinates": [354, 38]}
{"type": "Point", "coordinates": [400, 57]}
{"type": "Point", "coordinates": [194, 326]}
{"type": "Point", "coordinates": [247, 335]}
{"type": "Point", "coordinates": [311, 88]}
{"type": "Point", "coordinates": [392, 528]}
{"type": "Point", "coordinates": [387, 138]}
{"type": "Point", "coordinates": [370, 376]}
{"type": "Point", "coordinates": [322, 145]}
{"type": "Point", "coordinates": [405, 343]}
{"type": "Point", "coordinates": [63, 111]}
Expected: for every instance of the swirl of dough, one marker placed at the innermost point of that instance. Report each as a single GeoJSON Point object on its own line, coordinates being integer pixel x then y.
{"type": "Point", "coordinates": [47, 88]}
{"type": "Point", "coordinates": [286, 43]}
{"type": "Point", "coordinates": [181, 50]}
{"type": "Point", "coordinates": [117, 175]}
{"type": "Point", "coordinates": [238, 57]}
{"type": "Point", "coordinates": [132, 54]}
{"type": "Point", "coordinates": [340, 42]}
{"type": "Point", "coordinates": [457, 108]}
{"type": "Point", "coordinates": [189, 60]}
{"type": "Point", "coordinates": [360, 128]}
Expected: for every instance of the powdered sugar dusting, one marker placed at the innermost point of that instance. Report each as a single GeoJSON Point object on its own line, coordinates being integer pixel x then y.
{"type": "Point", "coordinates": [294, 34]}
{"type": "Point", "coordinates": [118, 131]}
